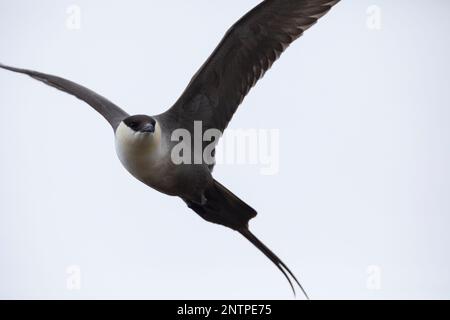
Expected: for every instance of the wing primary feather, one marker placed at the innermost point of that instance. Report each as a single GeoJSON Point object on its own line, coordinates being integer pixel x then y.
{"type": "Point", "coordinates": [112, 113]}
{"type": "Point", "coordinates": [247, 51]}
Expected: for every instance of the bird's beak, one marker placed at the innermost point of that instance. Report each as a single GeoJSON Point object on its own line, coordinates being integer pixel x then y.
{"type": "Point", "coordinates": [148, 128]}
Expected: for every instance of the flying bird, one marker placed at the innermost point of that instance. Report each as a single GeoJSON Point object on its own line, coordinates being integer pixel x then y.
{"type": "Point", "coordinates": [144, 143]}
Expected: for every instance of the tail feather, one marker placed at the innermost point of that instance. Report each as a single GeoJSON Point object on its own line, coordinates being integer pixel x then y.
{"type": "Point", "coordinates": [224, 208]}
{"type": "Point", "coordinates": [274, 258]}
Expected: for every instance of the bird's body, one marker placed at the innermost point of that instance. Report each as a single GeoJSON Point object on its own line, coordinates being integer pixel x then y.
{"type": "Point", "coordinates": [148, 158]}
{"type": "Point", "coordinates": [145, 144]}
{"type": "Point", "coordinates": [145, 157]}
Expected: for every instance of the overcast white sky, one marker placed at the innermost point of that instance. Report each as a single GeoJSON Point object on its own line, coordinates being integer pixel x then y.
{"type": "Point", "coordinates": [359, 208]}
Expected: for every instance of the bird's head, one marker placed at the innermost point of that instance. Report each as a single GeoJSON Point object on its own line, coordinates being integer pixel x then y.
{"type": "Point", "coordinates": [141, 124]}
{"type": "Point", "coordinates": [138, 130]}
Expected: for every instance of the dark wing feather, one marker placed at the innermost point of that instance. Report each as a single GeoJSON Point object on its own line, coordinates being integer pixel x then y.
{"type": "Point", "coordinates": [247, 51]}
{"type": "Point", "coordinates": [112, 113]}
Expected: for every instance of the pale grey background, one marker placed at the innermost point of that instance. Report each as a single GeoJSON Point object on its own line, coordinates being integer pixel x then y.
{"type": "Point", "coordinates": [364, 174]}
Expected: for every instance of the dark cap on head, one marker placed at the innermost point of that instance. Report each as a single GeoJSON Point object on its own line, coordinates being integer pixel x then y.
{"type": "Point", "coordinates": [141, 123]}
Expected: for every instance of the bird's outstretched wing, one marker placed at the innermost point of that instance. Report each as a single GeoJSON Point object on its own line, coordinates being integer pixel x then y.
{"type": "Point", "coordinates": [112, 113]}
{"type": "Point", "coordinates": [247, 51]}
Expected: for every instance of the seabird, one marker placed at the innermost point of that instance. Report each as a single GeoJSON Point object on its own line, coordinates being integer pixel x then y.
{"type": "Point", "coordinates": [144, 143]}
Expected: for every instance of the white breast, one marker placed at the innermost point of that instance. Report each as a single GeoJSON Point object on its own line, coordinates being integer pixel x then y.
{"type": "Point", "coordinates": [140, 153]}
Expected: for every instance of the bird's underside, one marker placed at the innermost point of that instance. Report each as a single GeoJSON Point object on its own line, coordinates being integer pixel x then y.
{"type": "Point", "coordinates": [247, 51]}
